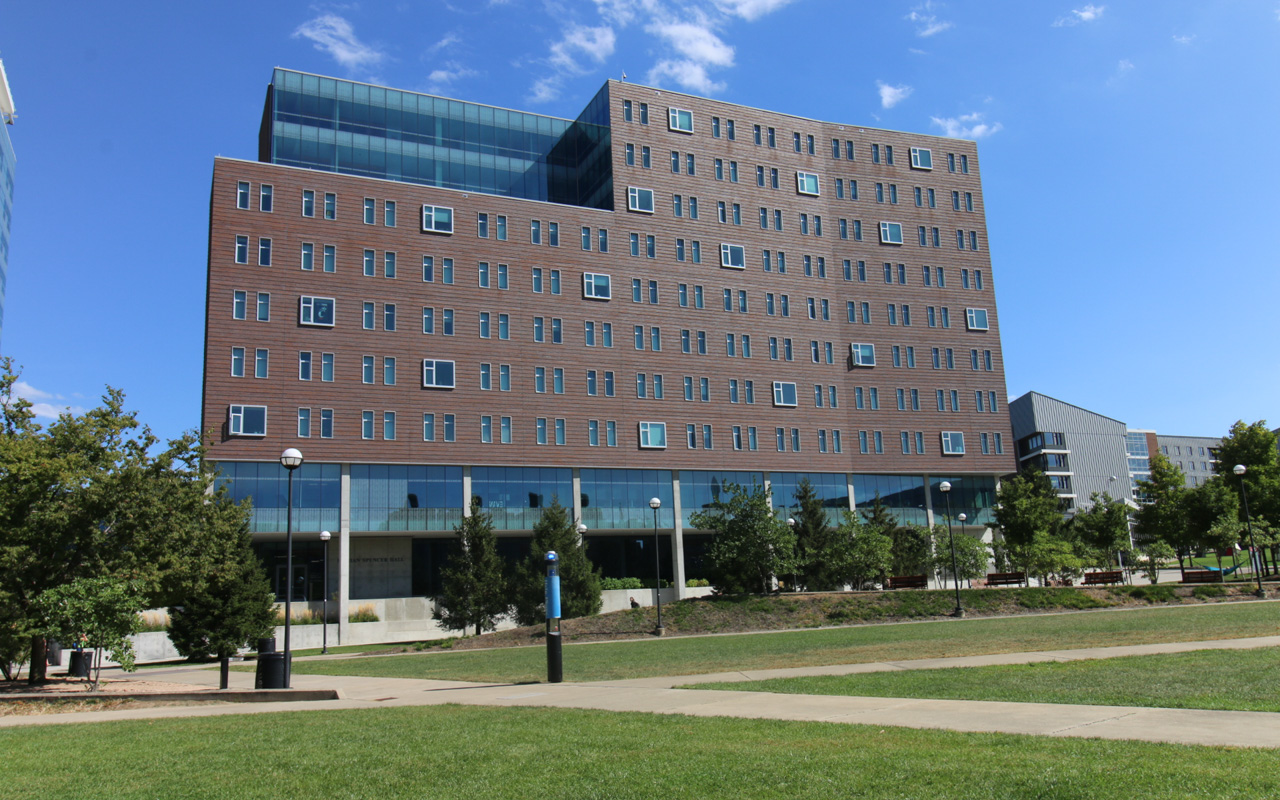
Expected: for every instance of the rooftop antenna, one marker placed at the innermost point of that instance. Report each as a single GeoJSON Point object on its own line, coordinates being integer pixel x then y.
{"type": "Point", "coordinates": [624, 76]}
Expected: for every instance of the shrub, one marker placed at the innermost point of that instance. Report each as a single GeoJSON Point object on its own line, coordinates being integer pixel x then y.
{"type": "Point", "coordinates": [1211, 590]}
{"type": "Point", "coordinates": [1151, 594]}
{"type": "Point", "coordinates": [363, 613]}
{"type": "Point", "coordinates": [607, 584]}
{"type": "Point", "coordinates": [697, 583]}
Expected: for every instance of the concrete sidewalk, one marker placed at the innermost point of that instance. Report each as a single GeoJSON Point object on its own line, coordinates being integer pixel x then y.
{"type": "Point", "coordinates": [1235, 728]}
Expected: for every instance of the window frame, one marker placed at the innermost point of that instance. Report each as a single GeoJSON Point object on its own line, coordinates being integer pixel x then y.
{"type": "Point", "coordinates": [674, 119]}
{"type": "Point", "coordinates": [307, 311]}
{"type": "Point", "coordinates": [434, 383]}
{"type": "Point", "coordinates": [435, 226]}
{"type": "Point", "coordinates": [803, 179]}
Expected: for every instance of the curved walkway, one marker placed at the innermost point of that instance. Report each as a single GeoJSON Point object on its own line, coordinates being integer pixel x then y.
{"type": "Point", "coordinates": [655, 695]}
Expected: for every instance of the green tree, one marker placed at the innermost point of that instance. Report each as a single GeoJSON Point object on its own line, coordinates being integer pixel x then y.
{"type": "Point", "coordinates": [878, 517]}
{"type": "Point", "coordinates": [751, 544]}
{"type": "Point", "coordinates": [473, 589]}
{"type": "Point", "coordinates": [579, 578]}
{"type": "Point", "coordinates": [1157, 551]}
{"type": "Point", "coordinates": [1253, 446]}
{"type": "Point", "coordinates": [868, 553]}
{"type": "Point", "coordinates": [1027, 507]}
{"type": "Point", "coordinates": [1213, 516]}
{"type": "Point", "coordinates": [821, 551]}
{"type": "Point", "coordinates": [226, 608]}
{"type": "Point", "coordinates": [1162, 514]}
{"type": "Point", "coordinates": [94, 494]}
{"type": "Point", "coordinates": [102, 613]}
{"type": "Point", "coordinates": [912, 550]}
{"type": "Point", "coordinates": [972, 554]}
{"type": "Point", "coordinates": [1104, 527]}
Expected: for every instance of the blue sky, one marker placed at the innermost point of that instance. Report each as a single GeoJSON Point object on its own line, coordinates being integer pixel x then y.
{"type": "Point", "coordinates": [1127, 149]}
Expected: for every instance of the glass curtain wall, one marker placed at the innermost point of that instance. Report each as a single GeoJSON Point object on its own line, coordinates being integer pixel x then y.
{"type": "Point", "coordinates": [317, 494]}
{"type": "Point", "coordinates": [386, 497]}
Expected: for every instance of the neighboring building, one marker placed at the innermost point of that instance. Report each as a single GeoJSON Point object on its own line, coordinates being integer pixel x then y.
{"type": "Point", "coordinates": [1082, 452]}
{"type": "Point", "coordinates": [1194, 455]}
{"type": "Point", "coordinates": [7, 163]}
{"type": "Point", "coordinates": [434, 299]}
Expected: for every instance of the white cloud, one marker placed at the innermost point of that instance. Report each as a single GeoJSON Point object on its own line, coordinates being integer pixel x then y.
{"type": "Point", "coordinates": [966, 126]}
{"type": "Point", "coordinates": [544, 90]}
{"type": "Point", "coordinates": [441, 80]}
{"type": "Point", "coordinates": [750, 10]}
{"type": "Point", "coordinates": [695, 42]}
{"type": "Point", "coordinates": [1078, 15]}
{"type": "Point", "coordinates": [927, 22]}
{"type": "Point", "coordinates": [449, 40]}
{"type": "Point", "coordinates": [595, 43]}
{"type": "Point", "coordinates": [1124, 66]}
{"type": "Point", "coordinates": [334, 35]}
{"type": "Point", "coordinates": [43, 404]}
{"type": "Point", "coordinates": [890, 96]}
{"type": "Point", "coordinates": [1184, 39]}
{"type": "Point", "coordinates": [690, 75]}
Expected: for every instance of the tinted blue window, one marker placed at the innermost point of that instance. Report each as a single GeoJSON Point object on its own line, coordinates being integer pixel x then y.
{"type": "Point", "coordinates": [619, 498]}
{"type": "Point", "coordinates": [387, 497]}
{"type": "Point", "coordinates": [516, 496]}
{"type": "Point", "coordinates": [316, 494]}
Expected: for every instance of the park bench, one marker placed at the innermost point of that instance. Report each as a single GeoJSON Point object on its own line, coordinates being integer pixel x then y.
{"type": "Point", "coordinates": [1103, 577]}
{"type": "Point", "coordinates": [1006, 578]}
{"type": "Point", "coordinates": [1201, 576]}
{"type": "Point", "coordinates": [909, 582]}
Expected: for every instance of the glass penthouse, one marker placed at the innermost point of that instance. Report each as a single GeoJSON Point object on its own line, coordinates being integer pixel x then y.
{"type": "Point", "coordinates": [434, 299]}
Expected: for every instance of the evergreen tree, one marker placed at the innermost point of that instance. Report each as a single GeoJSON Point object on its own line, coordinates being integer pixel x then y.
{"type": "Point", "coordinates": [226, 610]}
{"type": "Point", "coordinates": [820, 550]}
{"type": "Point", "coordinates": [878, 518]}
{"type": "Point", "coordinates": [473, 591]}
{"type": "Point", "coordinates": [912, 550]}
{"type": "Point", "coordinates": [751, 545]}
{"type": "Point", "coordinates": [579, 578]}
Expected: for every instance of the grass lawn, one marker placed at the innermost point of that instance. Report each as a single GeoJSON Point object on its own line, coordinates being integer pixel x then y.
{"type": "Point", "coordinates": [1234, 680]}
{"type": "Point", "coordinates": [858, 644]}
{"type": "Point", "coordinates": [494, 753]}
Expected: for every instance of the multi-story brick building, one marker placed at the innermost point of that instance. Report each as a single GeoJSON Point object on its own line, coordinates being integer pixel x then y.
{"type": "Point", "coordinates": [434, 299]}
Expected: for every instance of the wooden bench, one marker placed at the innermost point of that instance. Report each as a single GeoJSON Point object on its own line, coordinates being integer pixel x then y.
{"type": "Point", "coordinates": [1006, 578]}
{"type": "Point", "coordinates": [1103, 577]}
{"type": "Point", "coordinates": [909, 582]}
{"type": "Point", "coordinates": [1201, 576]}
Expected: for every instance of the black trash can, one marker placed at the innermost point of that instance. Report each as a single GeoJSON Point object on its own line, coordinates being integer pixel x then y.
{"type": "Point", "coordinates": [53, 653]}
{"type": "Point", "coordinates": [270, 673]}
{"type": "Point", "coordinates": [267, 645]}
{"type": "Point", "coordinates": [81, 662]}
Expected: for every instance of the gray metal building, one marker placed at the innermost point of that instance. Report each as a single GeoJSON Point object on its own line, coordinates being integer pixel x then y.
{"type": "Point", "coordinates": [1081, 451]}
{"type": "Point", "coordinates": [1194, 455]}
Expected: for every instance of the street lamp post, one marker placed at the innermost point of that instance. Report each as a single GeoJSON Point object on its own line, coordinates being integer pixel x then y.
{"type": "Point", "coordinates": [1254, 556]}
{"type": "Point", "coordinates": [945, 487]}
{"type": "Point", "coordinates": [290, 459]}
{"type": "Point", "coordinates": [656, 504]}
{"type": "Point", "coordinates": [795, 587]}
{"type": "Point", "coordinates": [325, 536]}
{"type": "Point", "coordinates": [962, 517]}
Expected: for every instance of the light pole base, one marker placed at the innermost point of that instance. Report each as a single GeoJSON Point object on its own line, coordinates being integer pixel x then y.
{"type": "Point", "coordinates": [958, 613]}
{"type": "Point", "coordinates": [1260, 593]}
{"type": "Point", "coordinates": [659, 631]}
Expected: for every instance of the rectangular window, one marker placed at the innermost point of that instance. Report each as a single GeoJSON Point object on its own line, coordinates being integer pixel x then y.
{"type": "Point", "coordinates": [247, 420]}
{"type": "Point", "coordinates": [389, 425]}
{"type": "Point", "coordinates": [304, 423]}
{"type": "Point", "coordinates": [553, 234]}
{"type": "Point", "coordinates": [679, 119]}
{"type": "Point", "coordinates": [807, 183]}
{"type": "Point", "coordinates": [242, 195]}
{"type": "Point", "coordinates": [890, 233]}
{"type": "Point", "coordinates": [265, 198]}
{"type": "Point", "coordinates": [368, 210]}
{"type": "Point", "coordinates": [389, 213]}
{"type": "Point", "coordinates": [733, 256]}
{"type": "Point", "coordinates": [653, 435]}
{"type": "Point", "coordinates": [595, 286]}
{"type": "Point", "coordinates": [921, 158]}
{"type": "Point", "coordinates": [976, 319]}
{"type": "Point", "coordinates": [317, 311]}
{"type": "Point", "coordinates": [784, 394]}
{"type": "Point", "coordinates": [952, 443]}
{"type": "Point", "coordinates": [308, 203]}
{"type": "Point", "coordinates": [437, 219]}
{"type": "Point", "coordinates": [437, 374]}
{"type": "Point", "coordinates": [330, 205]}
{"type": "Point", "coordinates": [864, 355]}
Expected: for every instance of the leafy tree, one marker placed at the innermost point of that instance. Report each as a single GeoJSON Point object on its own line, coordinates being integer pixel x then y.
{"type": "Point", "coordinates": [1162, 515]}
{"type": "Point", "coordinates": [820, 549]}
{"type": "Point", "coordinates": [95, 494]}
{"type": "Point", "coordinates": [473, 591]}
{"type": "Point", "coordinates": [579, 578]}
{"type": "Point", "coordinates": [1254, 446]}
{"type": "Point", "coordinates": [1213, 516]}
{"type": "Point", "coordinates": [751, 545]}
{"type": "Point", "coordinates": [102, 613]}
{"type": "Point", "coordinates": [1027, 507]}
{"type": "Point", "coordinates": [912, 550]}
{"type": "Point", "coordinates": [228, 608]}
{"type": "Point", "coordinates": [1157, 552]}
{"type": "Point", "coordinates": [868, 553]}
{"type": "Point", "coordinates": [972, 554]}
{"type": "Point", "coordinates": [1105, 526]}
